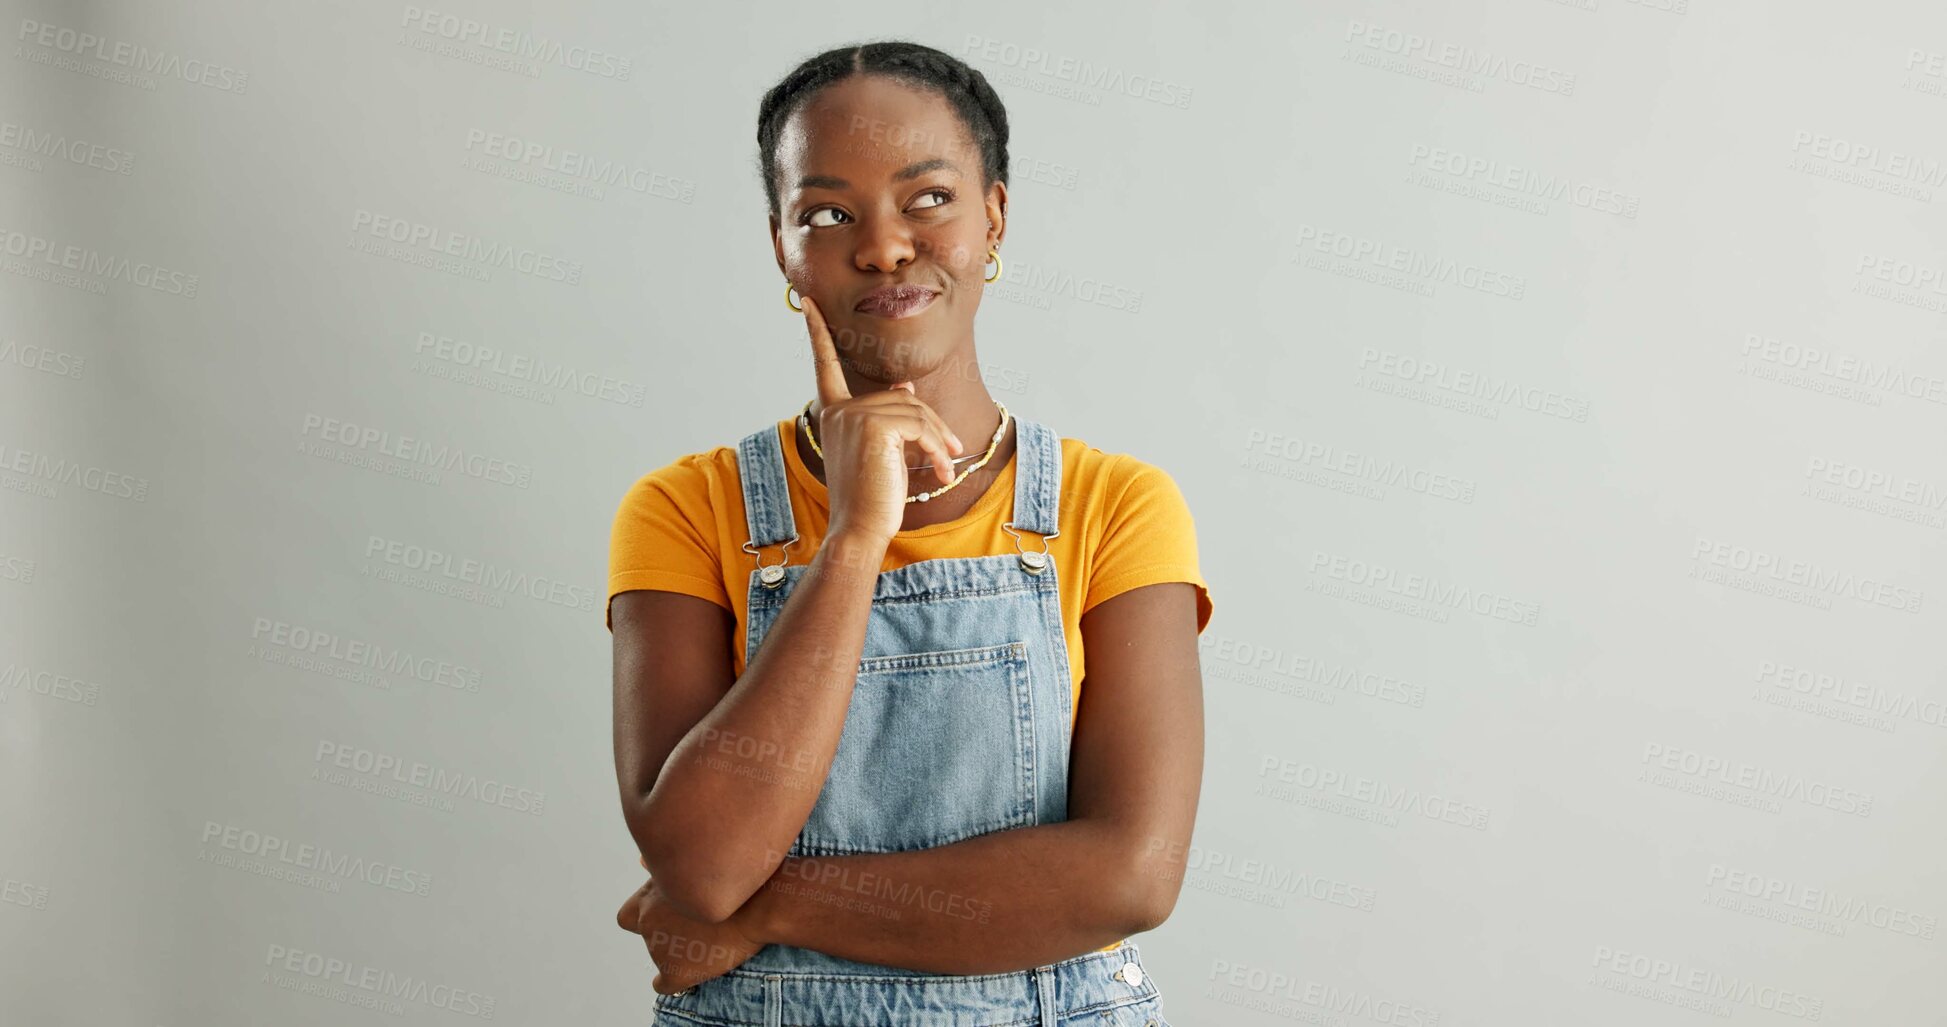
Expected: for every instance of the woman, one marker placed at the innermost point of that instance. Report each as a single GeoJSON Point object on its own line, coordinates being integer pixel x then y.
{"type": "Point", "coordinates": [851, 735]}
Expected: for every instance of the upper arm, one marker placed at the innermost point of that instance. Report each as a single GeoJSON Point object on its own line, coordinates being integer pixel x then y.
{"type": "Point", "coordinates": [1137, 750]}
{"type": "Point", "coordinates": [1137, 757]}
{"type": "Point", "coordinates": [671, 618]}
{"type": "Point", "coordinates": [672, 666]}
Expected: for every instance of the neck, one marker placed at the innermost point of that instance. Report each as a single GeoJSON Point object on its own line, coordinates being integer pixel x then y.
{"type": "Point", "coordinates": [966, 407]}
{"type": "Point", "coordinates": [963, 402]}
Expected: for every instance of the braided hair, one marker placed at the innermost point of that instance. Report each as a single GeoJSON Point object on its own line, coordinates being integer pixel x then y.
{"type": "Point", "coordinates": [914, 64]}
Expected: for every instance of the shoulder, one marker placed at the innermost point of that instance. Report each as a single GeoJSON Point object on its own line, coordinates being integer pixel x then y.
{"type": "Point", "coordinates": [1136, 526]}
{"type": "Point", "coordinates": [700, 482]}
{"type": "Point", "coordinates": [689, 474]}
{"type": "Point", "coordinates": [668, 528]}
{"type": "Point", "coordinates": [1116, 480]}
{"type": "Point", "coordinates": [690, 485]}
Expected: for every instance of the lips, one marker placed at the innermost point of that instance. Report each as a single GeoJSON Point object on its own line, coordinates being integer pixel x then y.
{"type": "Point", "coordinates": [896, 300]}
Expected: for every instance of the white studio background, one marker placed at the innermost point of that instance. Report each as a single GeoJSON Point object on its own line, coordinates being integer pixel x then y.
{"type": "Point", "coordinates": [1559, 388]}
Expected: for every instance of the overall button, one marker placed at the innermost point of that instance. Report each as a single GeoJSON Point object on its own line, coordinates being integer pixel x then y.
{"type": "Point", "coordinates": [1131, 973]}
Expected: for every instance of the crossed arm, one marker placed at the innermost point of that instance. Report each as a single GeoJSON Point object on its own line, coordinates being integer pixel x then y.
{"type": "Point", "coordinates": [1015, 899]}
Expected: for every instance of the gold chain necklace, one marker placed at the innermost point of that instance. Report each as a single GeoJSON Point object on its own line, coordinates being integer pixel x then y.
{"type": "Point", "coordinates": [804, 421]}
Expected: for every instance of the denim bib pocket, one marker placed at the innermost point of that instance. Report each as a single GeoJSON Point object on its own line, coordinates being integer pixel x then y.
{"type": "Point", "coordinates": [947, 739]}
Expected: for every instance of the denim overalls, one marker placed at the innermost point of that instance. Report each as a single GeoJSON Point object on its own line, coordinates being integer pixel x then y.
{"type": "Point", "coordinates": [958, 726]}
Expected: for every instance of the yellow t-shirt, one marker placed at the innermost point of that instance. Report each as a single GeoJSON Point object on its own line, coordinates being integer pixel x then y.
{"type": "Point", "coordinates": [1124, 524]}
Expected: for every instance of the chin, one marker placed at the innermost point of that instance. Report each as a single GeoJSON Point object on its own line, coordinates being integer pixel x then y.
{"type": "Point", "coordinates": [872, 346]}
{"type": "Point", "coordinates": [870, 369]}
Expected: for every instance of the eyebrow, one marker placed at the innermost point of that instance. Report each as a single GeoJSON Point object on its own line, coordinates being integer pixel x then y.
{"type": "Point", "coordinates": [910, 171]}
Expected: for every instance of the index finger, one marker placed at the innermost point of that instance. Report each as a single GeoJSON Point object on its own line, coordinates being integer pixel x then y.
{"type": "Point", "coordinates": [824, 356]}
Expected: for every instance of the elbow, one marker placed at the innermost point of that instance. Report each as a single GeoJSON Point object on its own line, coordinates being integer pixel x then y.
{"type": "Point", "coordinates": [1155, 880]}
{"type": "Point", "coordinates": [696, 898]}
{"type": "Point", "coordinates": [694, 891]}
{"type": "Point", "coordinates": [702, 874]}
{"type": "Point", "coordinates": [1145, 904]}
{"type": "Point", "coordinates": [692, 883]}
{"type": "Point", "coordinates": [1148, 911]}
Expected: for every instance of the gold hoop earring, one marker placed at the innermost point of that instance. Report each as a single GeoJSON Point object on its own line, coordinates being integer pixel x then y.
{"type": "Point", "coordinates": [787, 298]}
{"type": "Point", "coordinates": [995, 255]}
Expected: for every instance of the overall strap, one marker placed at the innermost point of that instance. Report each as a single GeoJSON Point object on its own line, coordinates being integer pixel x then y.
{"type": "Point", "coordinates": [767, 494]}
{"type": "Point", "coordinates": [1037, 478]}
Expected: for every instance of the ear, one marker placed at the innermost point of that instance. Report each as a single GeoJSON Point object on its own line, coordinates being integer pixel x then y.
{"type": "Point", "coordinates": [996, 214]}
{"type": "Point", "coordinates": [777, 245]}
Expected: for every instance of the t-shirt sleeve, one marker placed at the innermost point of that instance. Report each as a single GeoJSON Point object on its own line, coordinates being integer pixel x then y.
{"type": "Point", "coordinates": [1150, 538]}
{"type": "Point", "coordinates": [664, 537]}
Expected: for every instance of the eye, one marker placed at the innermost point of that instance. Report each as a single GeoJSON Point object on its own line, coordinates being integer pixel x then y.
{"type": "Point", "coordinates": [942, 192]}
{"type": "Point", "coordinates": [810, 217]}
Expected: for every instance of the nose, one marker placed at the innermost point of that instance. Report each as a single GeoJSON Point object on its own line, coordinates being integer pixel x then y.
{"type": "Point", "coordinates": [885, 244]}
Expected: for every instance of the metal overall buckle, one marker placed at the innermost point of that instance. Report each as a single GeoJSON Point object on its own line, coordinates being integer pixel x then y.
{"type": "Point", "coordinates": [1033, 561]}
{"type": "Point", "coordinates": [772, 575]}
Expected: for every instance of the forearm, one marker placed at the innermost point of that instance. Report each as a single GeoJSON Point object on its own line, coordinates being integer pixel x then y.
{"type": "Point", "coordinates": [737, 789]}
{"type": "Point", "coordinates": [1004, 901]}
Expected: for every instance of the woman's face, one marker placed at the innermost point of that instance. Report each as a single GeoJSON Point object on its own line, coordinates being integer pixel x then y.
{"type": "Point", "coordinates": [879, 185]}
